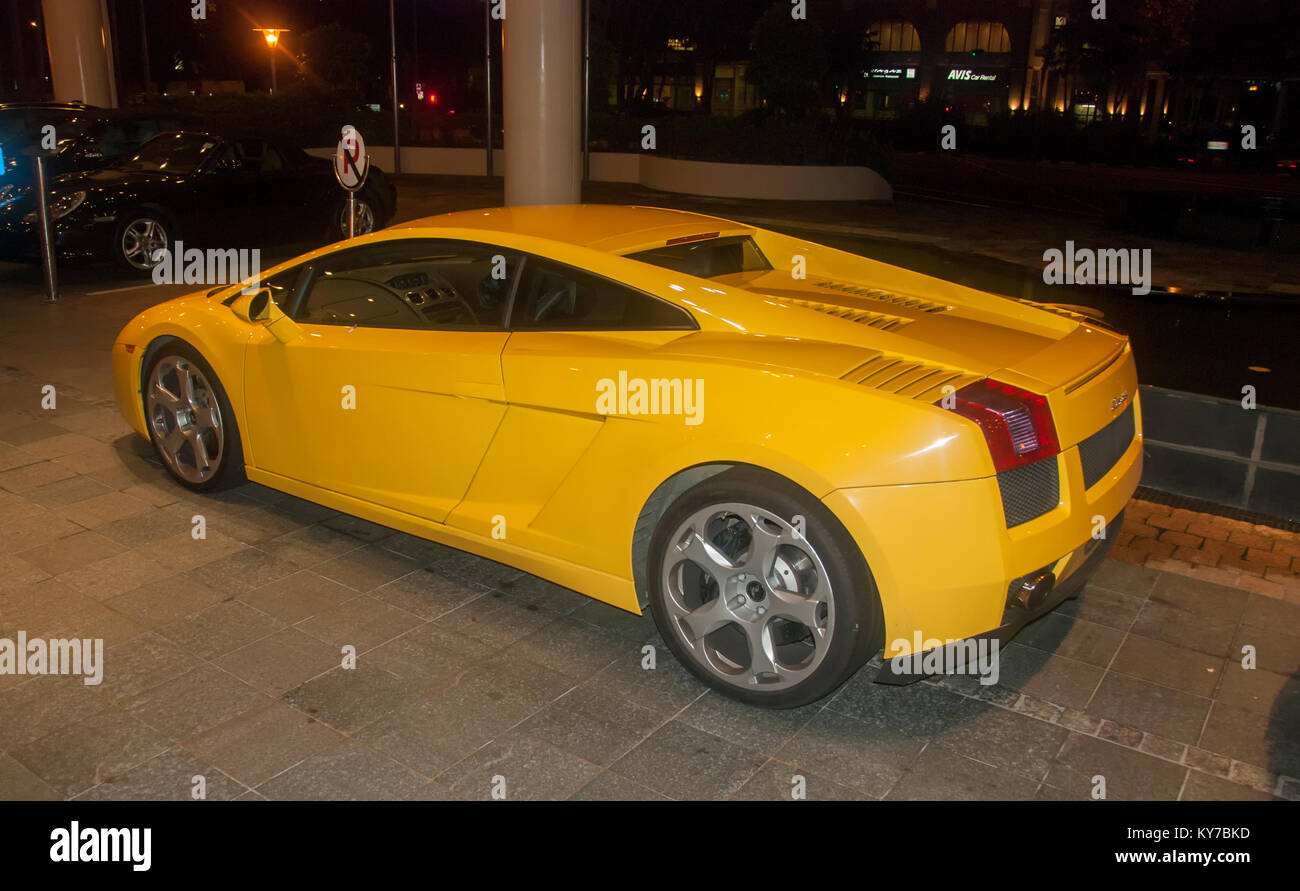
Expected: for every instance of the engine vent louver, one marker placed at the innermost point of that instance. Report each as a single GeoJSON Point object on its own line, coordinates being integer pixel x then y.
{"type": "Point", "coordinates": [881, 320]}
{"type": "Point", "coordinates": [906, 377]}
{"type": "Point", "coordinates": [883, 296]}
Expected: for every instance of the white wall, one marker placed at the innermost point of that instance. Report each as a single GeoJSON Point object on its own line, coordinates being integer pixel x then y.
{"type": "Point", "coordinates": [770, 181]}
{"type": "Point", "coordinates": [767, 181]}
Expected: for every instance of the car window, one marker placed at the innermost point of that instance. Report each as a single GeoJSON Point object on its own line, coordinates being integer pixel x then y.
{"type": "Point", "coordinates": [284, 287]}
{"type": "Point", "coordinates": [111, 142]}
{"type": "Point", "coordinates": [227, 159]}
{"type": "Point", "coordinates": [172, 152]}
{"type": "Point", "coordinates": [256, 156]}
{"type": "Point", "coordinates": [708, 258]}
{"type": "Point", "coordinates": [23, 125]}
{"type": "Point", "coordinates": [413, 283]}
{"type": "Point", "coordinates": [272, 160]}
{"type": "Point", "coordinates": [556, 297]}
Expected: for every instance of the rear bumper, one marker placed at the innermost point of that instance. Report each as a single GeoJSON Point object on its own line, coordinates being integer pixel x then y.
{"type": "Point", "coordinates": [943, 558]}
{"type": "Point", "coordinates": [909, 669]}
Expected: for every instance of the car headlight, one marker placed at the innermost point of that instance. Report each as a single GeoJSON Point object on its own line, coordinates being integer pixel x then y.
{"type": "Point", "coordinates": [60, 206]}
{"type": "Point", "coordinates": [65, 204]}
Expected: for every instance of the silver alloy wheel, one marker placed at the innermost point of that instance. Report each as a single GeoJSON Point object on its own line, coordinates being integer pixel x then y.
{"type": "Point", "coordinates": [185, 419]}
{"type": "Point", "coordinates": [141, 240]}
{"type": "Point", "coordinates": [365, 218]}
{"type": "Point", "coordinates": [749, 596]}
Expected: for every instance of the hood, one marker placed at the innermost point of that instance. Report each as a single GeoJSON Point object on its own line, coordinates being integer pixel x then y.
{"type": "Point", "coordinates": [111, 181]}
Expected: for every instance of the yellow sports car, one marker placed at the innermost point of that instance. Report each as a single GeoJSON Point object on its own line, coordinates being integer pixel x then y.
{"type": "Point", "coordinates": [791, 454]}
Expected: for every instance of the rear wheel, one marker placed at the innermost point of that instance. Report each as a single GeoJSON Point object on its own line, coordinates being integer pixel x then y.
{"type": "Point", "coordinates": [191, 423]}
{"type": "Point", "coordinates": [760, 591]}
{"type": "Point", "coordinates": [366, 217]}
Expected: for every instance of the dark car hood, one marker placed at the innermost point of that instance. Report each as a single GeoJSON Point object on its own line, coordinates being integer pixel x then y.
{"type": "Point", "coordinates": [111, 182]}
{"type": "Point", "coordinates": [118, 177]}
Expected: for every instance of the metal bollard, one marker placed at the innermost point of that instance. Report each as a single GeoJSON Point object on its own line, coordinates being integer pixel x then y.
{"type": "Point", "coordinates": [47, 233]}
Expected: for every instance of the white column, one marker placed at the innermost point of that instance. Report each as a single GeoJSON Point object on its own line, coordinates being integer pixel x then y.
{"type": "Point", "coordinates": [77, 34]}
{"type": "Point", "coordinates": [542, 68]}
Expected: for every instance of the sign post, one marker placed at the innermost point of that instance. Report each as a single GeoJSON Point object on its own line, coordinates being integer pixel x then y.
{"type": "Point", "coordinates": [351, 164]}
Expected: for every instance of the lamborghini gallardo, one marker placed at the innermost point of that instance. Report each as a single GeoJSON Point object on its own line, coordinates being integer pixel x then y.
{"type": "Point", "coordinates": [791, 455]}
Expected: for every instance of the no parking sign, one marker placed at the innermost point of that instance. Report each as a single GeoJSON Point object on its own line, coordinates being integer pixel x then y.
{"type": "Point", "coordinates": [351, 163]}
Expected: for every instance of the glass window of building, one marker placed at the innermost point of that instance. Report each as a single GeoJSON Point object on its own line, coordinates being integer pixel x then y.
{"type": "Point", "coordinates": [965, 37]}
{"type": "Point", "coordinates": [895, 37]}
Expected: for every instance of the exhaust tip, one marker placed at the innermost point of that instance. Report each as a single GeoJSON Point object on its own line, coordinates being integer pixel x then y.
{"type": "Point", "coordinates": [1028, 592]}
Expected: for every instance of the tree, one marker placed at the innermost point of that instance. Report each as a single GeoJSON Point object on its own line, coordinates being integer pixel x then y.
{"type": "Point", "coordinates": [849, 48]}
{"type": "Point", "coordinates": [789, 61]}
{"type": "Point", "coordinates": [334, 58]}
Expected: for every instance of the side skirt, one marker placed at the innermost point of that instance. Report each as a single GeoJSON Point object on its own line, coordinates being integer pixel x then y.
{"type": "Point", "coordinates": [602, 586]}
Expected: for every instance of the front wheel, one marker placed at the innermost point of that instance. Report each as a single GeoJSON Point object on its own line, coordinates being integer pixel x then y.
{"type": "Point", "coordinates": [760, 591]}
{"type": "Point", "coordinates": [191, 422]}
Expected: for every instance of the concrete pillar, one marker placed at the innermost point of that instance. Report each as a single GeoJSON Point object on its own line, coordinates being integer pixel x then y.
{"type": "Point", "coordinates": [77, 34]}
{"type": "Point", "coordinates": [542, 83]}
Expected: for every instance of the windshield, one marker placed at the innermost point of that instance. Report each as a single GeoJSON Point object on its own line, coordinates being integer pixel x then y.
{"type": "Point", "coordinates": [708, 259]}
{"type": "Point", "coordinates": [172, 153]}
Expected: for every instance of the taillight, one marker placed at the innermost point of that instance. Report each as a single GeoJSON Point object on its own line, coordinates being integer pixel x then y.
{"type": "Point", "coordinates": [1017, 424]}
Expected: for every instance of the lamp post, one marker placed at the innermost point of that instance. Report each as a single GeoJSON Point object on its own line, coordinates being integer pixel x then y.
{"type": "Point", "coordinates": [272, 36]}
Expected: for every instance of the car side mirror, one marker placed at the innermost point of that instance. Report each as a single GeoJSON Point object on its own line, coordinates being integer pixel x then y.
{"type": "Point", "coordinates": [260, 309]}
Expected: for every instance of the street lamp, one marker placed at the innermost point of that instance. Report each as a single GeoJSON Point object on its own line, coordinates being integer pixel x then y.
{"type": "Point", "coordinates": [272, 36]}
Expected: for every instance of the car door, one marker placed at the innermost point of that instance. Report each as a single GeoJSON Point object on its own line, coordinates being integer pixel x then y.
{"type": "Point", "coordinates": [393, 390]}
{"type": "Point", "coordinates": [226, 206]}
{"type": "Point", "coordinates": [570, 330]}
{"type": "Point", "coordinates": [280, 193]}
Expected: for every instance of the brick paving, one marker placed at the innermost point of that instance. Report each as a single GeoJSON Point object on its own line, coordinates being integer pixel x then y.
{"type": "Point", "coordinates": [1250, 557]}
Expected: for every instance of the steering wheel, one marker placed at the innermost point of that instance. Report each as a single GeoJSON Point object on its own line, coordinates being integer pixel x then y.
{"type": "Point", "coordinates": [401, 298]}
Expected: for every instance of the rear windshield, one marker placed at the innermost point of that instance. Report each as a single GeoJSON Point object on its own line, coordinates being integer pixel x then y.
{"type": "Point", "coordinates": [708, 259]}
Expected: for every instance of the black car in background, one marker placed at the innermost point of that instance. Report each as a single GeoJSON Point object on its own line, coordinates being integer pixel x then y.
{"type": "Point", "coordinates": [84, 137]}
{"type": "Point", "coordinates": [207, 189]}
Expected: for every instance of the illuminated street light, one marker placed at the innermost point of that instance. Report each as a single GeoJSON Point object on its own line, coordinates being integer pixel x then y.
{"type": "Point", "coordinates": [272, 36]}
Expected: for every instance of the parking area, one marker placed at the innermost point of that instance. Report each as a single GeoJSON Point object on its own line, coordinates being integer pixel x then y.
{"type": "Point", "coordinates": [223, 654]}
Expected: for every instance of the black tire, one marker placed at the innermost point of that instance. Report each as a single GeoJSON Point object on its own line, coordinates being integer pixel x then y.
{"type": "Point", "coordinates": [228, 470]}
{"type": "Point", "coordinates": [132, 221]}
{"type": "Point", "coordinates": [853, 614]}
